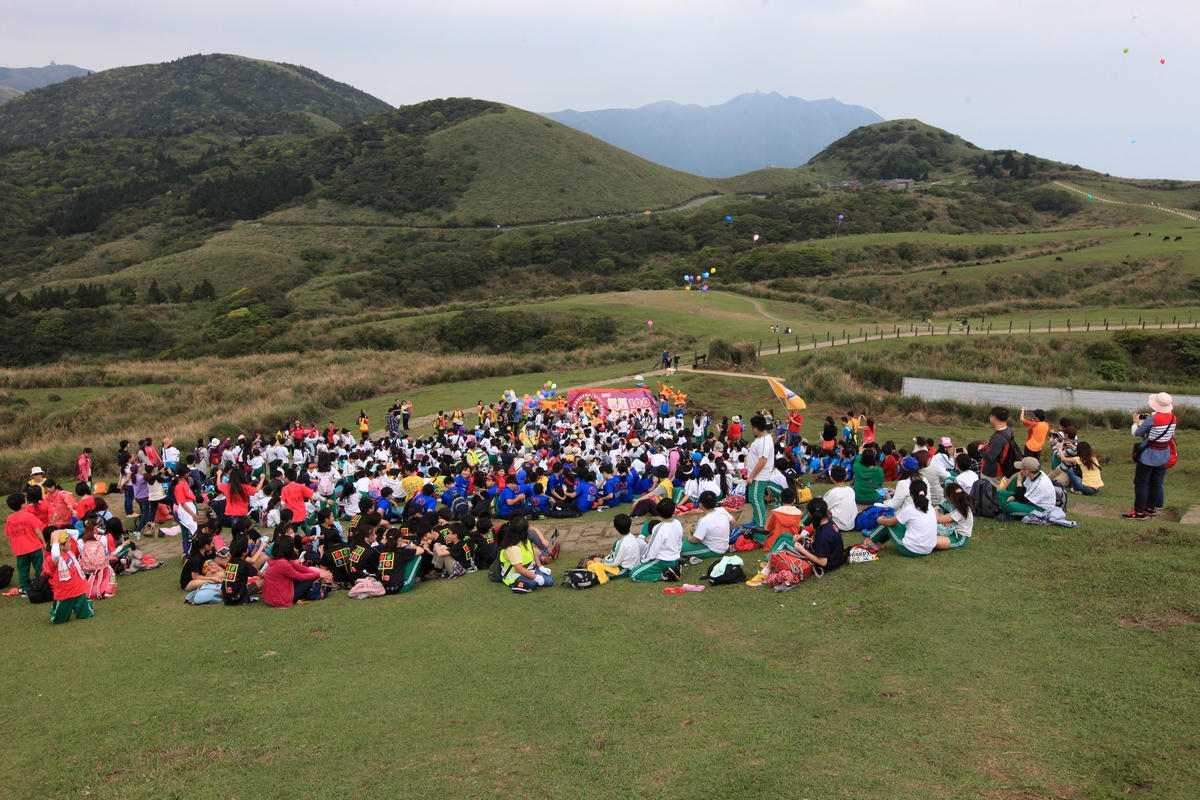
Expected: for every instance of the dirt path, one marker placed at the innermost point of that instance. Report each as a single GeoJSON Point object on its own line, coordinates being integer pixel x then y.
{"type": "Point", "coordinates": [759, 307]}
{"type": "Point", "coordinates": [1119, 203]}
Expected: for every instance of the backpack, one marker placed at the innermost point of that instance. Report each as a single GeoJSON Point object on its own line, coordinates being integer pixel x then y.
{"type": "Point", "coordinates": [1060, 497]}
{"type": "Point", "coordinates": [6, 573]}
{"type": "Point", "coordinates": [985, 499]}
{"type": "Point", "coordinates": [40, 590]}
{"type": "Point", "coordinates": [102, 584]}
{"type": "Point", "coordinates": [92, 556]}
{"type": "Point", "coordinates": [868, 518]}
{"type": "Point", "coordinates": [214, 458]}
{"type": "Point", "coordinates": [496, 572]}
{"type": "Point", "coordinates": [580, 579]}
{"type": "Point", "coordinates": [733, 574]}
{"type": "Point", "coordinates": [787, 560]}
{"type": "Point", "coordinates": [1009, 458]}
{"type": "Point", "coordinates": [325, 485]}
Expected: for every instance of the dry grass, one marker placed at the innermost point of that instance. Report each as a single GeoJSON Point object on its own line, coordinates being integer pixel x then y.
{"type": "Point", "coordinates": [203, 397]}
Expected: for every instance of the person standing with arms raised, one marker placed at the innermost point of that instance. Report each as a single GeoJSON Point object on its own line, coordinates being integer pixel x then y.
{"type": "Point", "coordinates": [760, 463]}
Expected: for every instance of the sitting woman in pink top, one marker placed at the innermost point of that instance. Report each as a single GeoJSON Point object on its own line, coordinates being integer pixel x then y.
{"type": "Point", "coordinates": [286, 581]}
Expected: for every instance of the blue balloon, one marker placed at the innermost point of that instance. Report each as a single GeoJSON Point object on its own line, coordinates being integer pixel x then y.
{"type": "Point", "coordinates": [705, 276]}
{"type": "Point", "coordinates": [729, 219]}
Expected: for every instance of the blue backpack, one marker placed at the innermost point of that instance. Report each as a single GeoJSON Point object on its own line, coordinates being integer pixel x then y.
{"type": "Point", "coordinates": [868, 518]}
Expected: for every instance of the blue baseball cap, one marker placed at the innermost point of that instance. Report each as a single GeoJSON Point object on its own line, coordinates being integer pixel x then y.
{"type": "Point", "coordinates": [909, 464]}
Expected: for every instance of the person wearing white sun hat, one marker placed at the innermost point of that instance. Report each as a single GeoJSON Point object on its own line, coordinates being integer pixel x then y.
{"type": "Point", "coordinates": [1152, 455]}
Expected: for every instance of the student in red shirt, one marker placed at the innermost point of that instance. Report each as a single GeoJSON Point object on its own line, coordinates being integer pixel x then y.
{"type": "Point", "coordinates": [286, 581]}
{"type": "Point", "coordinates": [69, 585]}
{"type": "Point", "coordinates": [22, 528]}
{"type": "Point", "coordinates": [86, 501]}
{"type": "Point", "coordinates": [63, 503]}
{"type": "Point", "coordinates": [39, 506]}
{"type": "Point", "coordinates": [293, 495]}
{"type": "Point", "coordinates": [237, 491]}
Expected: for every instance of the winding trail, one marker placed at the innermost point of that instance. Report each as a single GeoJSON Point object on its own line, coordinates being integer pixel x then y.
{"type": "Point", "coordinates": [1097, 198]}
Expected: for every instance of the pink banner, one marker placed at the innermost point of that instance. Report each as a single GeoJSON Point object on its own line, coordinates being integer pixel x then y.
{"type": "Point", "coordinates": [606, 401]}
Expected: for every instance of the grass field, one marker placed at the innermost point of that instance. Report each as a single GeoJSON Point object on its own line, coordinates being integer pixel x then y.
{"type": "Point", "coordinates": [1034, 663]}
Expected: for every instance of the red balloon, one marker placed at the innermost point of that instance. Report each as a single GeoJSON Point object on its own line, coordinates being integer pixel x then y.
{"type": "Point", "coordinates": [1162, 61]}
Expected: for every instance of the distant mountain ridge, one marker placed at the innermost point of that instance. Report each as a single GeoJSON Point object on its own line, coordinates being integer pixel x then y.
{"type": "Point", "coordinates": [8, 93]}
{"type": "Point", "coordinates": [751, 131]}
{"type": "Point", "coordinates": [26, 79]}
{"type": "Point", "coordinates": [240, 96]}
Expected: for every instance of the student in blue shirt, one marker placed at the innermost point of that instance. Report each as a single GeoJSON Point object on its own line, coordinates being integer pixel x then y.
{"type": "Point", "coordinates": [384, 505]}
{"type": "Point", "coordinates": [539, 504]}
{"type": "Point", "coordinates": [585, 492]}
{"type": "Point", "coordinates": [426, 500]}
{"type": "Point", "coordinates": [511, 502]}
{"type": "Point", "coordinates": [613, 488]}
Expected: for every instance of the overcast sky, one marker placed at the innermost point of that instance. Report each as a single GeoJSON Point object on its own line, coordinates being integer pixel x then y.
{"type": "Point", "coordinates": [1046, 77]}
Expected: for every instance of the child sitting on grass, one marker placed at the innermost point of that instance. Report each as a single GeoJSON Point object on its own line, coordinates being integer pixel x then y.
{"type": "Point", "coordinates": [664, 548]}
{"type": "Point", "coordinates": [629, 548]}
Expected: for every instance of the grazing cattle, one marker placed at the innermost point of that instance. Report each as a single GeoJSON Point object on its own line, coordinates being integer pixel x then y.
{"type": "Point", "coordinates": [997, 261]}
{"type": "Point", "coordinates": [1139, 233]}
{"type": "Point", "coordinates": [1166, 238]}
{"type": "Point", "coordinates": [943, 272]}
{"type": "Point", "coordinates": [1058, 258]}
{"type": "Point", "coordinates": [1179, 238]}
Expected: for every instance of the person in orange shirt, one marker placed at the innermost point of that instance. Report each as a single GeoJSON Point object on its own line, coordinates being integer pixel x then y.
{"type": "Point", "coordinates": [783, 526]}
{"type": "Point", "coordinates": [1039, 429]}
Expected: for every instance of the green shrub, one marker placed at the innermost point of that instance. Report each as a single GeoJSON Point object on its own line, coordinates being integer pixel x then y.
{"type": "Point", "coordinates": [1111, 370]}
{"type": "Point", "coordinates": [1105, 350]}
{"type": "Point", "coordinates": [53, 398]}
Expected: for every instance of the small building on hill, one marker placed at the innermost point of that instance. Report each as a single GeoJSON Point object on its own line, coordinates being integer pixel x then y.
{"type": "Point", "coordinates": [900, 184]}
{"type": "Point", "coordinates": [853, 186]}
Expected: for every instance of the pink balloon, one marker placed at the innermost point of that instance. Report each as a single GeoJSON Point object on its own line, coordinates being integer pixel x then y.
{"type": "Point", "coordinates": [650, 323]}
{"type": "Point", "coordinates": [756, 237]}
{"type": "Point", "coordinates": [704, 288]}
{"type": "Point", "coordinates": [1135, 16]}
{"type": "Point", "coordinates": [1162, 61]}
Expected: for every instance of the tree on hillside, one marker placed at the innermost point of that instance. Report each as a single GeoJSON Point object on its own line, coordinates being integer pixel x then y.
{"type": "Point", "coordinates": [154, 295]}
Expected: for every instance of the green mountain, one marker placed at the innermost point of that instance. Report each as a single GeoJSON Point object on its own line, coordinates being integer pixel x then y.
{"type": "Point", "coordinates": [236, 95]}
{"type": "Point", "coordinates": [8, 93]}
{"type": "Point", "coordinates": [908, 148]}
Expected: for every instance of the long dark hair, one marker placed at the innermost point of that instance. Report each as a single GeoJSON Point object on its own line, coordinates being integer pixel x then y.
{"type": "Point", "coordinates": [959, 498]}
{"type": "Point", "coordinates": [818, 511]}
{"type": "Point", "coordinates": [1083, 451]}
{"type": "Point", "coordinates": [515, 532]}
{"type": "Point", "coordinates": [237, 482]}
{"type": "Point", "coordinates": [919, 493]}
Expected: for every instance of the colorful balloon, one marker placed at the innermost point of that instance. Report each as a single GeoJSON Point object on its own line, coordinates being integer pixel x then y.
{"type": "Point", "coordinates": [841, 217]}
{"type": "Point", "coordinates": [729, 219]}
{"type": "Point", "coordinates": [714, 270]}
{"type": "Point", "coordinates": [649, 323]}
{"type": "Point", "coordinates": [1162, 61]}
{"type": "Point", "coordinates": [1126, 49]}
{"type": "Point", "coordinates": [705, 276]}
{"type": "Point", "coordinates": [704, 288]}
{"type": "Point", "coordinates": [1089, 197]}
{"type": "Point", "coordinates": [687, 288]}
{"type": "Point", "coordinates": [756, 237]}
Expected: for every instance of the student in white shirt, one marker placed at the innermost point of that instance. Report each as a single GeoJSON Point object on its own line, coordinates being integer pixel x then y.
{"type": "Point", "coordinates": [760, 464]}
{"type": "Point", "coordinates": [840, 499]}
{"type": "Point", "coordinates": [628, 550]}
{"type": "Point", "coordinates": [914, 530]}
{"type": "Point", "coordinates": [664, 548]}
{"type": "Point", "coordinates": [966, 477]}
{"type": "Point", "coordinates": [954, 529]}
{"type": "Point", "coordinates": [711, 537]}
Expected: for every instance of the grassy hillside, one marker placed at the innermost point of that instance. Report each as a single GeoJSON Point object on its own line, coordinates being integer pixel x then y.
{"type": "Point", "coordinates": [8, 93]}
{"type": "Point", "coordinates": [241, 96]}
{"type": "Point", "coordinates": [908, 148]}
{"type": "Point", "coordinates": [526, 167]}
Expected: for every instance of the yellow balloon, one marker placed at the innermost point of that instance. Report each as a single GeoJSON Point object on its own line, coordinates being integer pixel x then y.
{"type": "Point", "coordinates": [712, 271]}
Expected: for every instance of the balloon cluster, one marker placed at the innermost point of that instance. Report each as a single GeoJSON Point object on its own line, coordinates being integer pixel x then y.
{"type": "Point", "coordinates": [690, 279]}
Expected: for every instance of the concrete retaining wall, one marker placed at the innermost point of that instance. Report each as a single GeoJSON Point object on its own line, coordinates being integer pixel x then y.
{"type": "Point", "coordinates": [1014, 397]}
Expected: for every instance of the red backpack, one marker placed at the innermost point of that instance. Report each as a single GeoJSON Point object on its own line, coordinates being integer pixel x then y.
{"type": "Point", "coordinates": [785, 560]}
{"type": "Point", "coordinates": [92, 556]}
